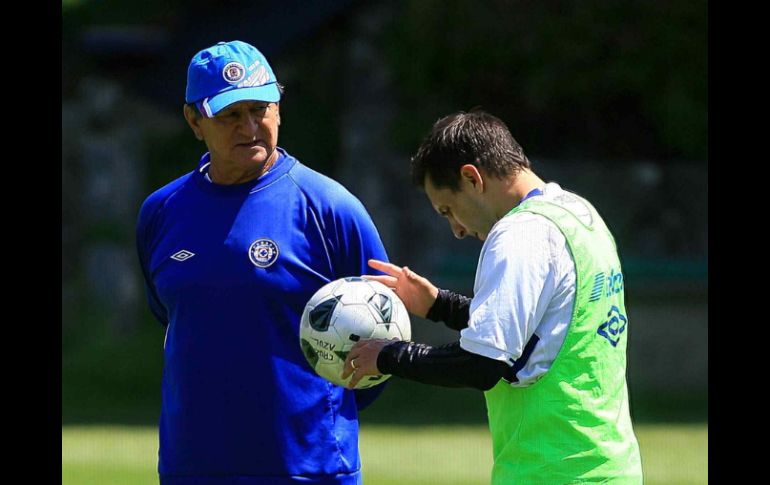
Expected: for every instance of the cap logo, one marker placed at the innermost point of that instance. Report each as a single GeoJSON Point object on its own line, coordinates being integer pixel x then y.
{"type": "Point", "coordinates": [233, 72]}
{"type": "Point", "coordinates": [256, 78]}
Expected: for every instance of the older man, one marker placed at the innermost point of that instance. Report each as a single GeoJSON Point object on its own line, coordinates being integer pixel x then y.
{"type": "Point", "coordinates": [231, 252]}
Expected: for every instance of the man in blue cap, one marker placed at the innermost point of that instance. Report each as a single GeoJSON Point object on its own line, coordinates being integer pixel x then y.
{"type": "Point", "coordinates": [231, 252]}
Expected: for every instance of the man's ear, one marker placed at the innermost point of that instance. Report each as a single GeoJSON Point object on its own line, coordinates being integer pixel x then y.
{"type": "Point", "coordinates": [471, 175]}
{"type": "Point", "coordinates": [193, 120]}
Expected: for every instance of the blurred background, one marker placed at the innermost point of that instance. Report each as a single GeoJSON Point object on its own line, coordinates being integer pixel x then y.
{"type": "Point", "coordinates": [607, 98]}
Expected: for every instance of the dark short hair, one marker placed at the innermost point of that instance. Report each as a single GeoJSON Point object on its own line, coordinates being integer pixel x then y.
{"type": "Point", "coordinates": [197, 113]}
{"type": "Point", "coordinates": [475, 138]}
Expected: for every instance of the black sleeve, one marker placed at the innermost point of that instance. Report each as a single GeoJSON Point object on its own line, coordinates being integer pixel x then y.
{"type": "Point", "coordinates": [447, 365]}
{"type": "Point", "coordinates": [451, 308]}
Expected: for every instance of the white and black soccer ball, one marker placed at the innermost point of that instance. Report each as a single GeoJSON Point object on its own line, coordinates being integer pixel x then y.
{"type": "Point", "coordinates": [343, 312]}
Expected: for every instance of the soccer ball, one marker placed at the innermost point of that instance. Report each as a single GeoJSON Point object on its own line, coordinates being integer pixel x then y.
{"type": "Point", "coordinates": [343, 312]}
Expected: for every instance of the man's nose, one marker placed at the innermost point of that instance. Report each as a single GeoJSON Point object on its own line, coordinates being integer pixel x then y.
{"type": "Point", "coordinates": [250, 124]}
{"type": "Point", "coordinates": [457, 229]}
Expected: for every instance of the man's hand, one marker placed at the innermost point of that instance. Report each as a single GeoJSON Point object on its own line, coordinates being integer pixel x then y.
{"type": "Point", "coordinates": [362, 360]}
{"type": "Point", "coordinates": [417, 293]}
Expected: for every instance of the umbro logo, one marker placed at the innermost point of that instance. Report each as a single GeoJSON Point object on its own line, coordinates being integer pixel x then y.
{"type": "Point", "coordinates": [614, 326]}
{"type": "Point", "coordinates": [182, 255]}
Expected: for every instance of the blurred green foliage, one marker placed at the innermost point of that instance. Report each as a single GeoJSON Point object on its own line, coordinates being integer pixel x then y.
{"type": "Point", "coordinates": [110, 375]}
{"type": "Point", "coordinates": [613, 80]}
{"type": "Point", "coordinates": [620, 80]}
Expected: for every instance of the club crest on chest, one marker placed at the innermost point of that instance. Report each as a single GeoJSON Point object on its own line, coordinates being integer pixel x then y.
{"type": "Point", "coordinates": [263, 252]}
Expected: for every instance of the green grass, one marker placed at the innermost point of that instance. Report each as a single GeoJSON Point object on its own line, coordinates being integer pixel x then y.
{"type": "Point", "coordinates": [447, 455]}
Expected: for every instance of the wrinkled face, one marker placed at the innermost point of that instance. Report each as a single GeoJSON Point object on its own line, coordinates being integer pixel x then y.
{"type": "Point", "coordinates": [243, 135]}
{"type": "Point", "coordinates": [465, 210]}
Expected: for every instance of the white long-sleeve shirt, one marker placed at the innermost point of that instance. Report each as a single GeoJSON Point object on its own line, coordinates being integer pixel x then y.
{"type": "Point", "coordinates": [525, 286]}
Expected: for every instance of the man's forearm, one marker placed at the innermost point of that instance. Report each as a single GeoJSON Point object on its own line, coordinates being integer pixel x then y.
{"type": "Point", "coordinates": [446, 365]}
{"type": "Point", "coordinates": [451, 308]}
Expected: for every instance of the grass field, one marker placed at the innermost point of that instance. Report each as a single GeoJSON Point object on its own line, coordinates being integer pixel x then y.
{"type": "Point", "coordinates": [446, 455]}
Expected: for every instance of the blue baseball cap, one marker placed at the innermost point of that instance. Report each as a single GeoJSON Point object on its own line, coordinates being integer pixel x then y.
{"type": "Point", "coordinates": [229, 72]}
